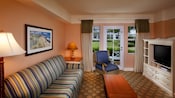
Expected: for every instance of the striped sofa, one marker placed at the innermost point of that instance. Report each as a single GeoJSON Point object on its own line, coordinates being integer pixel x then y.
{"type": "Point", "coordinates": [47, 79]}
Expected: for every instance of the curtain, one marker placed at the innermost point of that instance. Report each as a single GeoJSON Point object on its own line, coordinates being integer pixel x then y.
{"type": "Point", "coordinates": [142, 25]}
{"type": "Point", "coordinates": [86, 26]}
{"type": "Point", "coordinates": [138, 64]}
{"type": "Point", "coordinates": [87, 51]}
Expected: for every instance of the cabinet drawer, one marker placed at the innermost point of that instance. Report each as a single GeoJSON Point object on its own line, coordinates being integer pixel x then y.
{"type": "Point", "coordinates": [164, 76]}
{"type": "Point", "coordinates": [166, 84]}
{"type": "Point", "coordinates": [149, 72]}
{"type": "Point", "coordinates": [164, 79]}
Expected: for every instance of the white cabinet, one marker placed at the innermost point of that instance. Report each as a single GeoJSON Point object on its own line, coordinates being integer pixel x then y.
{"type": "Point", "coordinates": [158, 73]}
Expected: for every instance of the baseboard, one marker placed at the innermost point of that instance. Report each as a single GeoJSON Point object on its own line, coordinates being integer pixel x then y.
{"type": "Point", "coordinates": [128, 69]}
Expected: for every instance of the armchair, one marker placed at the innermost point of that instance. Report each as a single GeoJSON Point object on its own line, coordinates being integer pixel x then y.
{"type": "Point", "coordinates": [102, 62]}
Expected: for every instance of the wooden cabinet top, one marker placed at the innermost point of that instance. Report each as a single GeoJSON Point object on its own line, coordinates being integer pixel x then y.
{"type": "Point", "coordinates": [73, 59]}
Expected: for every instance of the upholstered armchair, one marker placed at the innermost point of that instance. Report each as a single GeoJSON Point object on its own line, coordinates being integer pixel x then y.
{"type": "Point", "coordinates": [102, 62]}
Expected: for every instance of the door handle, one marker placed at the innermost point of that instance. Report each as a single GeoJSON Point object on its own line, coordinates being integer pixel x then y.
{"type": "Point", "coordinates": [121, 48]}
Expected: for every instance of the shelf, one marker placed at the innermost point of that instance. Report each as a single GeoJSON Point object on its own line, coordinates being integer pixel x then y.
{"type": "Point", "coordinates": [160, 66]}
{"type": "Point", "coordinates": [145, 51]}
{"type": "Point", "coordinates": [146, 44]}
{"type": "Point", "coordinates": [146, 60]}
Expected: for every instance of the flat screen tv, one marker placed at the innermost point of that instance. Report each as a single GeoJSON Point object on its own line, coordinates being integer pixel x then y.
{"type": "Point", "coordinates": [162, 55]}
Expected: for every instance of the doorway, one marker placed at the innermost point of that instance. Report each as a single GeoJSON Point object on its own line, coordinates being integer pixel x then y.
{"type": "Point", "coordinates": [114, 42]}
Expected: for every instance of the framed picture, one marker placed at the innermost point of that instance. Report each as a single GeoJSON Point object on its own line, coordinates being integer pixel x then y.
{"type": "Point", "coordinates": [38, 39]}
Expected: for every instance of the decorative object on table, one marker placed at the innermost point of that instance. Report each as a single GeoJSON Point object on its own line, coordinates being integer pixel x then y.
{"type": "Point", "coordinates": [9, 47]}
{"type": "Point", "coordinates": [38, 39]}
{"type": "Point", "coordinates": [72, 46]}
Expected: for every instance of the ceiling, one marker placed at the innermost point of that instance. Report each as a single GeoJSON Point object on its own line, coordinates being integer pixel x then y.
{"type": "Point", "coordinates": [104, 11]}
{"type": "Point", "coordinates": [91, 7]}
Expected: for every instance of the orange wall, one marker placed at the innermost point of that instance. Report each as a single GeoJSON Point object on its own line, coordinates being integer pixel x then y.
{"type": "Point", "coordinates": [13, 17]}
{"type": "Point", "coordinates": [164, 29]}
{"type": "Point", "coordinates": [72, 34]}
{"type": "Point", "coordinates": [128, 57]}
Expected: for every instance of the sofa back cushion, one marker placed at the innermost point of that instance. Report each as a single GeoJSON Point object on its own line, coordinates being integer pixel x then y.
{"type": "Point", "coordinates": [22, 84]}
{"type": "Point", "coordinates": [41, 79]}
{"type": "Point", "coordinates": [53, 67]}
{"type": "Point", "coordinates": [61, 65]}
{"type": "Point", "coordinates": [32, 81]}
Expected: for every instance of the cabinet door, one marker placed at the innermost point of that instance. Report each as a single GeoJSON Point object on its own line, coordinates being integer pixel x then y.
{"type": "Point", "coordinates": [164, 78]}
{"type": "Point", "coordinates": [149, 71]}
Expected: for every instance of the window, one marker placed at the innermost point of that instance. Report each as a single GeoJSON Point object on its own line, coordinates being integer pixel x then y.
{"type": "Point", "coordinates": [95, 38]}
{"type": "Point", "coordinates": [131, 39]}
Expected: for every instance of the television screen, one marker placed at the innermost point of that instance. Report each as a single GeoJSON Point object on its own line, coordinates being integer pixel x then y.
{"type": "Point", "coordinates": [162, 55]}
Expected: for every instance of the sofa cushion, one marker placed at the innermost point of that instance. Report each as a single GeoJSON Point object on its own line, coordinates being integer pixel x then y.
{"type": "Point", "coordinates": [39, 77]}
{"type": "Point", "coordinates": [61, 86]}
{"type": "Point", "coordinates": [61, 63]}
{"type": "Point", "coordinates": [52, 93]}
{"type": "Point", "coordinates": [22, 84]}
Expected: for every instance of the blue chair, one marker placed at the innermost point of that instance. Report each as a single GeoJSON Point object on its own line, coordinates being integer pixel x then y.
{"type": "Point", "coordinates": [102, 62]}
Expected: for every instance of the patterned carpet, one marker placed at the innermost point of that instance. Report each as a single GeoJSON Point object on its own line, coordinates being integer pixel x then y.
{"type": "Point", "coordinates": [93, 86]}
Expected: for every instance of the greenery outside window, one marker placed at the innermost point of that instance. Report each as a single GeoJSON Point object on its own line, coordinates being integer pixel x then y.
{"type": "Point", "coordinates": [113, 43]}
{"type": "Point", "coordinates": [95, 38]}
{"type": "Point", "coordinates": [131, 39]}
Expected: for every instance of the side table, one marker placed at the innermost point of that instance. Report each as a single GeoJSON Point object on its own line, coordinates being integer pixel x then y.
{"type": "Point", "coordinates": [74, 63]}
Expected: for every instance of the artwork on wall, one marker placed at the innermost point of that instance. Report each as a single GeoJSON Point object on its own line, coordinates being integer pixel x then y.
{"type": "Point", "coordinates": [38, 39]}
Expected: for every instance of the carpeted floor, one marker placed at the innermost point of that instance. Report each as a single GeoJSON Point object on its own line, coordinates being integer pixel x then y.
{"type": "Point", "coordinates": [93, 86]}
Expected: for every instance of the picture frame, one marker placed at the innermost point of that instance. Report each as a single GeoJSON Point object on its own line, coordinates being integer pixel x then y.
{"type": "Point", "coordinates": [38, 39]}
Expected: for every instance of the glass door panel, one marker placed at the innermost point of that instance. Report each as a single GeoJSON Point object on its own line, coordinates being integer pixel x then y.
{"type": "Point", "coordinates": [113, 43]}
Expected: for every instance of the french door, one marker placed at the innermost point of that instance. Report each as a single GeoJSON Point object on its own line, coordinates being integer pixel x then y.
{"type": "Point", "coordinates": [113, 42]}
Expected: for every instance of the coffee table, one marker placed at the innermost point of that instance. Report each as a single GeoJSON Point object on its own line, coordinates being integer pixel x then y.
{"type": "Point", "coordinates": [117, 87]}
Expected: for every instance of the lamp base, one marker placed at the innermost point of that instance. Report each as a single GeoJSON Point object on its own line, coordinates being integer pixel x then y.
{"type": "Point", "coordinates": [72, 55]}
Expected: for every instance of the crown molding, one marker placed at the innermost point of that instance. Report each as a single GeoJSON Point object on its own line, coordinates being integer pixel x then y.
{"type": "Point", "coordinates": [58, 11]}
{"type": "Point", "coordinates": [113, 18]}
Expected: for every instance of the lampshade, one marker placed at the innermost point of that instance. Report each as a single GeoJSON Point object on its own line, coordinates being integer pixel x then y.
{"type": "Point", "coordinates": [8, 45]}
{"type": "Point", "coordinates": [72, 46]}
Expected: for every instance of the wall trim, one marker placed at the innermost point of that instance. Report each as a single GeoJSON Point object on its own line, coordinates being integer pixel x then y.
{"type": "Point", "coordinates": [128, 69]}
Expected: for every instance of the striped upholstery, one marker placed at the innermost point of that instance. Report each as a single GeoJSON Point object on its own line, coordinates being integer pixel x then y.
{"type": "Point", "coordinates": [49, 78]}
{"type": "Point", "coordinates": [73, 66]}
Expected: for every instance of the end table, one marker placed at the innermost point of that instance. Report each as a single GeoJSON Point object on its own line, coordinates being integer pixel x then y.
{"type": "Point", "coordinates": [74, 63]}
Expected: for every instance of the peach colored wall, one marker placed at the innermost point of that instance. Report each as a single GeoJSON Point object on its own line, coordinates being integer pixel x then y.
{"type": "Point", "coordinates": [128, 57]}
{"type": "Point", "coordinates": [13, 17]}
{"type": "Point", "coordinates": [159, 29]}
{"type": "Point", "coordinates": [151, 30]}
{"type": "Point", "coordinates": [72, 34]}
{"type": "Point", "coordinates": [170, 28]}
{"type": "Point", "coordinates": [164, 29]}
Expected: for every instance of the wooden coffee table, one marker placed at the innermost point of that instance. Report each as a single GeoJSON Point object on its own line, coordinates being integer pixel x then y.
{"type": "Point", "coordinates": [117, 87]}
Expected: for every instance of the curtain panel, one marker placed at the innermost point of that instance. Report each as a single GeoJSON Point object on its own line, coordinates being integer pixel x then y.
{"type": "Point", "coordinates": [86, 30]}
{"type": "Point", "coordinates": [138, 64]}
{"type": "Point", "coordinates": [86, 26]}
{"type": "Point", "coordinates": [87, 51]}
{"type": "Point", "coordinates": [142, 25]}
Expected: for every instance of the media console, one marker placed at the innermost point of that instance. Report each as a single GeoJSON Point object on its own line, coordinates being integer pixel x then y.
{"type": "Point", "coordinates": [160, 72]}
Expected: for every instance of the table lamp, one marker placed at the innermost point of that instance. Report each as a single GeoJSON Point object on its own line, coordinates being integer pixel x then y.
{"type": "Point", "coordinates": [72, 46]}
{"type": "Point", "coordinates": [8, 47]}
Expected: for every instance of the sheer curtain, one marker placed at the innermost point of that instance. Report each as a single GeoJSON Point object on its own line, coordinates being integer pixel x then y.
{"type": "Point", "coordinates": [138, 65]}
{"type": "Point", "coordinates": [87, 51]}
